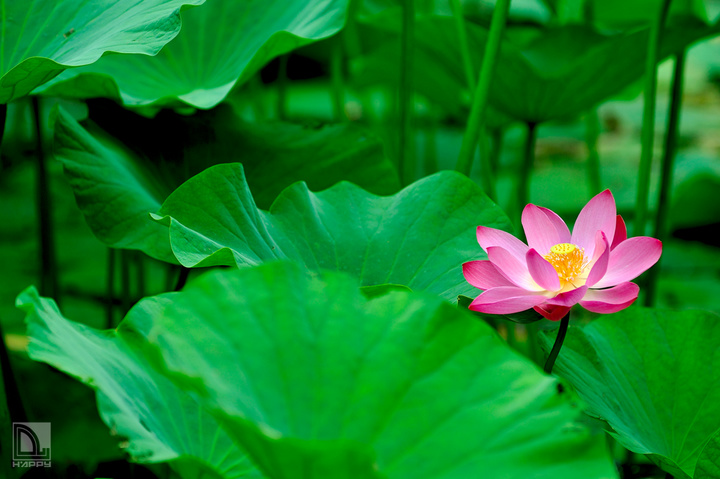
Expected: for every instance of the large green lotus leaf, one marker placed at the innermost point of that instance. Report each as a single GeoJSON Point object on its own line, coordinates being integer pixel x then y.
{"type": "Point", "coordinates": [552, 73]}
{"type": "Point", "coordinates": [621, 14]}
{"type": "Point", "coordinates": [708, 465]}
{"type": "Point", "coordinates": [116, 188]}
{"type": "Point", "coordinates": [160, 422]}
{"type": "Point", "coordinates": [275, 155]}
{"type": "Point", "coordinates": [42, 38]}
{"type": "Point", "coordinates": [572, 69]}
{"type": "Point", "coordinates": [654, 376]}
{"type": "Point", "coordinates": [307, 374]}
{"type": "Point", "coordinates": [418, 237]}
{"type": "Point", "coordinates": [617, 14]}
{"type": "Point", "coordinates": [221, 45]}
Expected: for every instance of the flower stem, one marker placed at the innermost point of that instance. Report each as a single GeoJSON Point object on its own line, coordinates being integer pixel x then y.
{"type": "Point", "coordinates": [532, 348]}
{"type": "Point", "coordinates": [256, 95]}
{"type": "Point", "coordinates": [487, 180]}
{"type": "Point", "coordinates": [126, 301]}
{"type": "Point", "coordinates": [592, 132]}
{"type": "Point", "coordinates": [430, 159]}
{"type": "Point", "coordinates": [406, 138]}
{"type": "Point", "coordinates": [498, 136]}
{"type": "Point", "coordinates": [523, 186]}
{"type": "Point", "coordinates": [562, 331]}
{"type": "Point", "coordinates": [463, 42]}
{"type": "Point", "coordinates": [668, 161]}
{"type": "Point", "coordinates": [648, 124]}
{"type": "Point", "coordinates": [48, 261]}
{"type": "Point", "coordinates": [3, 118]}
{"type": "Point", "coordinates": [336, 80]}
{"type": "Point", "coordinates": [350, 36]}
{"type": "Point", "coordinates": [110, 289]}
{"type": "Point", "coordinates": [11, 405]}
{"type": "Point", "coordinates": [511, 336]}
{"type": "Point", "coordinates": [282, 80]}
{"type": "Point", "coordinates": [477, 112]}
{"type": "Point", "coordinates": [140, 264]}
{"type": "Point", "coordinates": [182, 278]}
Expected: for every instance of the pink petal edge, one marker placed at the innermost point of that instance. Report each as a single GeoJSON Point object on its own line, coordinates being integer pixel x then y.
{"type": "Point", "coordinates": [611, 300]}
{"type": "Point", "coordinates": [569, 298]}
{"type": "Point", "coordinates": [483, 275]}
{"type": "Point", "coordinates": [560, 225]}
{"type": "Point", "coordinates": [600, 262]}
{"type": "Point", "coordinates": [515, 270]}
{"type": "Point", "coordinates": [541, 271]}
{"type": "Point", "coordinates": [630, 259]}
{"type": "Point", "coordinates": [620, 232]}
{"type": "Point", "coordinates": [552, 312]}
{"type": "Point", "coordinates": [505, 300]}
{"type": "Point", "coordinates": [599, 214]}
{"type": "Point", "coordinates": [489, 237]}
{"type": "Point", "coordinates": [541, 231]}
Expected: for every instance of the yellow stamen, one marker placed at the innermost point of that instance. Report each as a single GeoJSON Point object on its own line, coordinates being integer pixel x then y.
{"type": "Point", "coordinates": [568, 261]}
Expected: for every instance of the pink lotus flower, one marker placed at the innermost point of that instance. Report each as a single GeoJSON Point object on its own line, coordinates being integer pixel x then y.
{"type": "Point", "coordinates": [592, 266]}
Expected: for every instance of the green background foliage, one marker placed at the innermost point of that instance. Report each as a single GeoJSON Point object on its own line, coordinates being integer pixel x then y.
{"type": "Point", "coordinates": [211, 190]}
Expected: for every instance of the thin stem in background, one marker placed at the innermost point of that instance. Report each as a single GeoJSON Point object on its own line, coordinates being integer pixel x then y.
{"type": "Point", "coordinates": [169, 276]}
{"type": "Point", "coordinates": [406, 138]}
{"type": "Point", "coordinates": [498, 138]}
{"type": "Point", "coordinates": [430, 158]}
{"type": "Point", "coordinates": [140, 271]}
{"type": "Point", "coordinates": [533, 350]}
{"type": "Point", "coordinates": [477, 112]}
{"type": "Point", "coordinates": [350, 35]}
{"type": "Point", "coordinates": [487, 173]}
{"type": "Point", "coordinates": [668, 163]}
{"type": "Point", "coordinates": [48, 261]}
{"type": "Point", "coordinates": [110, 289]}
{"type": "Point", "coordinates": [3, 119]}
{"type": "Point", "coordinates": [182, 278]}
{"type": "Point", "coordinates": [463, 44]}
{"type": "Point", "coordinates": [559, 339]}
{"type": "Point", "coordinates": [15, 406]}
{"type": "Point", "coordinates": [592, 133]}
{"type": "Point", "coordinates": [125, 301]}
{"type": "Point", "coordinates": [648, 125]}
{"type": "Point", "coordinates": [256, 95]}
{"type": "Point", "coordinates": [337, 80]}
{"type": "Point", "coordinates": [523, 186]}
{"type": "Point", "coordinates": [511, 336]}
{"type": "Point", "coordinates": [282, 88]}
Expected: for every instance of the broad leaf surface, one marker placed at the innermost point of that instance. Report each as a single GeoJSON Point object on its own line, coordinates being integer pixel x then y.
{"type": "Point", "coordinates": [708, 465]}
{"type": "Point", "coordinates": [654, 376]}
{"type": "Point", "coordinates": [620, 14]}
{"type": "Point", "coordinates": [160, 422]}
{"type": "Point", "coordinates": [221, 45]}
{"type": "Point", "coordinates": [309, 375]}
{"type": "Point", "coordinates": [40, 39]}
{"type": "Point", "coordinates": [116, 188]}
{"type": "Point", "coordinates": [418, 237]}
{"type": "Point", "coordinates": [543, 75]}
{"type": "Point", "coordinates": [275, 154]}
